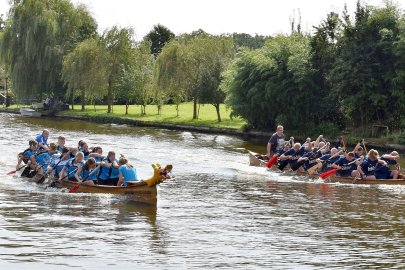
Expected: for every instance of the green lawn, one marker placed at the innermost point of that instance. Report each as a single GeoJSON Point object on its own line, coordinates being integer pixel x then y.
{"type": "Point", "coordinates": [207, 116]}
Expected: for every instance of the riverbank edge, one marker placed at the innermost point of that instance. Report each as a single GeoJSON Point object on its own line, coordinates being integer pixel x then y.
{"type": "Point", "coordinates": [245, 135]}
{"type": "Point", "coordinates": [134, 122]}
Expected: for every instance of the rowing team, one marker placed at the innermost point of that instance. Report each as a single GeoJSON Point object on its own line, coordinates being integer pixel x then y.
{"type": "Point", "coordinates": [317, 157]}
{"type": "Point", "coordinates": [79, 164]}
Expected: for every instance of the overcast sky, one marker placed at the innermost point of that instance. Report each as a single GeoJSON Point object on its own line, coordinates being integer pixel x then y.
{"type": "Point", "coordinates": [264, 17]}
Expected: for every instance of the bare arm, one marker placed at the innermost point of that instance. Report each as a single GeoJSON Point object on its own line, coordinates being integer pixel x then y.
{"type": "Point", "coordinates": [268, 149]}
{"type": "Point", "coordinates": [120, 179]}
{"type": "Point", "coordinates": [62, 173]}
{"type": "Point", "coordinates": [318, 140]}
{"type": "Point", "coordinates": [79, 171]}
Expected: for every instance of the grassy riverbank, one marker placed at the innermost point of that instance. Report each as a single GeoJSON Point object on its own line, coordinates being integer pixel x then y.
{"type": "Point", "coordinates": [207, 115]}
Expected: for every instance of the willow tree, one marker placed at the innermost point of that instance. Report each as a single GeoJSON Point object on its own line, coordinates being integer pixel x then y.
{"type": "Point", "coordinates": [37, 35]}
{"type": "Point", "coordinates": [217, 53]}
{"type": "Point", "coordinates": [273, 84]}
{"type": "Point", "coordinates": [170, 75]}
{"type": "Point", "coordinates": [191, 66]}
{"type": "Point", "coordinates": [144, 65]}
{"type": "Point", "coordinates": [119, 44]}
{"type": "Point", "coordinates": [85, 71]}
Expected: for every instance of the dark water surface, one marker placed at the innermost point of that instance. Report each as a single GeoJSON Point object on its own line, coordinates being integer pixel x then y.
{"type": "Point", "coordinates": [216, 213]}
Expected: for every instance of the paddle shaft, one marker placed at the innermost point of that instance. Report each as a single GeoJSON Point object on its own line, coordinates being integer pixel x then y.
{"type": "Point", "coordinates": [13, 172]}
{"type": "Point", "coordinates": [76, 187]}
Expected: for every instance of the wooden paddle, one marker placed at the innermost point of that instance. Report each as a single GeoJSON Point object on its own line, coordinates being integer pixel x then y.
{"type": "Point", "coordinates": [333, 171]}
{"type": "Point", "coordinates": [13, 172]}
{"type": "Point", "coordinates": [364, 146]}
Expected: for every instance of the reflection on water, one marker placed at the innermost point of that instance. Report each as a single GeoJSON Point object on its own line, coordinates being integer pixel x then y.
{"type": "Point", "coordinates": [217, 212]}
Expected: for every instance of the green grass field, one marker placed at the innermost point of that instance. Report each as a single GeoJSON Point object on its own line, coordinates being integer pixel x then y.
{"type": "Point", "coordinates": [207, 116]}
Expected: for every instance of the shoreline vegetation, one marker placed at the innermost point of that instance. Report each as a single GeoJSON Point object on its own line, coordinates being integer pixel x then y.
{"type": "Point", "coordinates": [345, 78]}
{"type": "Point", "coordinates": [207, 122]}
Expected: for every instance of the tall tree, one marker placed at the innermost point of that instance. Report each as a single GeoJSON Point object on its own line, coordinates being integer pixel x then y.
{"type": "Point", "coordinates": [251, 42]}
{"type": "Point", "coordinates": [158, 37]}
{"type": "Point", "coordinates": [37, 35]}
{"type": "Point", "coordinates": [217, 54]}
{"type": "Point", "coordinates": [323, 54]}
{"type": "Point", "coordinates": [84, 70]}
{"type": "Point", "coordinates": [169, 74]}
{"type": "Point", "coordinates": [273, 85]}
{"type": "Point", "coordinates": [363, 71]}
{"type": "Point", "coordinates": [119, 43]}
{"type": "Point", "coordinates": [144, 68]}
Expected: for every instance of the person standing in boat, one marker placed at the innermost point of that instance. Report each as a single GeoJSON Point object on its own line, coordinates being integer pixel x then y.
{"type": "Point", "coordinates": [345, 165]}
{"type": "Point", "coordinates": [367, 167]}
{"type": "Point", "coordinates": [127, 173]}
{"type": "Point", "coordinates": [42, 140]}
{"type": "Point", "coordinates": [108, 174]}
{"type": "Point", "coordinates": [384, 172]}
{"type": "Point", "coordinates": [71, 167]}
{"type": "Point", "coordinates": [87, 173]}
{"type": "Point", "coordinates": [276, 141]}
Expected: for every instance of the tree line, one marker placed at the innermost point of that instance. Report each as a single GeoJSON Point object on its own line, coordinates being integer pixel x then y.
{"type": "Point", "coordinates": [350, 71]}
{"type": "Point", "coordinates": [52, 48]}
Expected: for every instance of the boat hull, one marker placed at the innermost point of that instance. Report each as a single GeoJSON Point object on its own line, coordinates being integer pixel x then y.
{"type": "Point", "coordinates": [140, 192]}
{"type": "Point", "coordinates": [255, 161]}
{"type": "Point", "coordinates": [351, 180]}
{"type": "Point", "coordinates": [30, 112]}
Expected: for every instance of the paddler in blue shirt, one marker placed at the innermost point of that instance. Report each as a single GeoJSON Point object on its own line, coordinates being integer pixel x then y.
{"type": "Point", "coordinates": [26, 155]}
{"type": "Point", "coordinates": [44, 158]}
{"type": "Point", "coordinates": [108, 174]}
{"type": "Point", "coordinates": [71, 167]}
{"type": "Point", "coordinates": [385, 172]}
{"type": "Point", "coordinates": [43, 140]}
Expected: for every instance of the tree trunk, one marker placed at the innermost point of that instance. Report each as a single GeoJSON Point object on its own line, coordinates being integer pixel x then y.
{"type": "Point", "coordinates": [177, 110]}
{"type": "Point", "coordinates": [109, 97]}
{"type": "Point", "coordinates": [144, 109]}
{"type": "Point", "coordinates": [198, 111]}
{"type": "Point", "coordinates": [218, 113]}
{"type": "Point", "coordinates": [126, 107]}
{"type": "Point", "coordinates": [73, 101]}
{"type": "Point", "coordinates": [159, 109]}
{"type": "Point", "coordinates": [195, 116]}
{"type": "Point", "coordinates": [83, 99]}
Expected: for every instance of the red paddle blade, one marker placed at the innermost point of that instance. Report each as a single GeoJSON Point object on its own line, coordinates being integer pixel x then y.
{"type": "Point", "coordinates": [12, 172]}
{"type": "Point", "coordinates": [328, 173]}
{"type": "Point", "coordinates": [73, 189]}
{"type": "Point", "coordinates": [271, 162]}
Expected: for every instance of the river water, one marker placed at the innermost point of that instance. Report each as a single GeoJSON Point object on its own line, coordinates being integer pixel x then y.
{"type": "Point", "coordinates": [217, 212]}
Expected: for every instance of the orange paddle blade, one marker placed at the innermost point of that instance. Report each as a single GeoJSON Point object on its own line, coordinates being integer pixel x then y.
{"type": "Point", "coordinates": [73, 189]}
{"type": "Point", "coordinates": [12, 172]}
{"type": "Point", "coordinates": [328, 173]}
{"type": "Point", "coordinates": [271, 162]}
